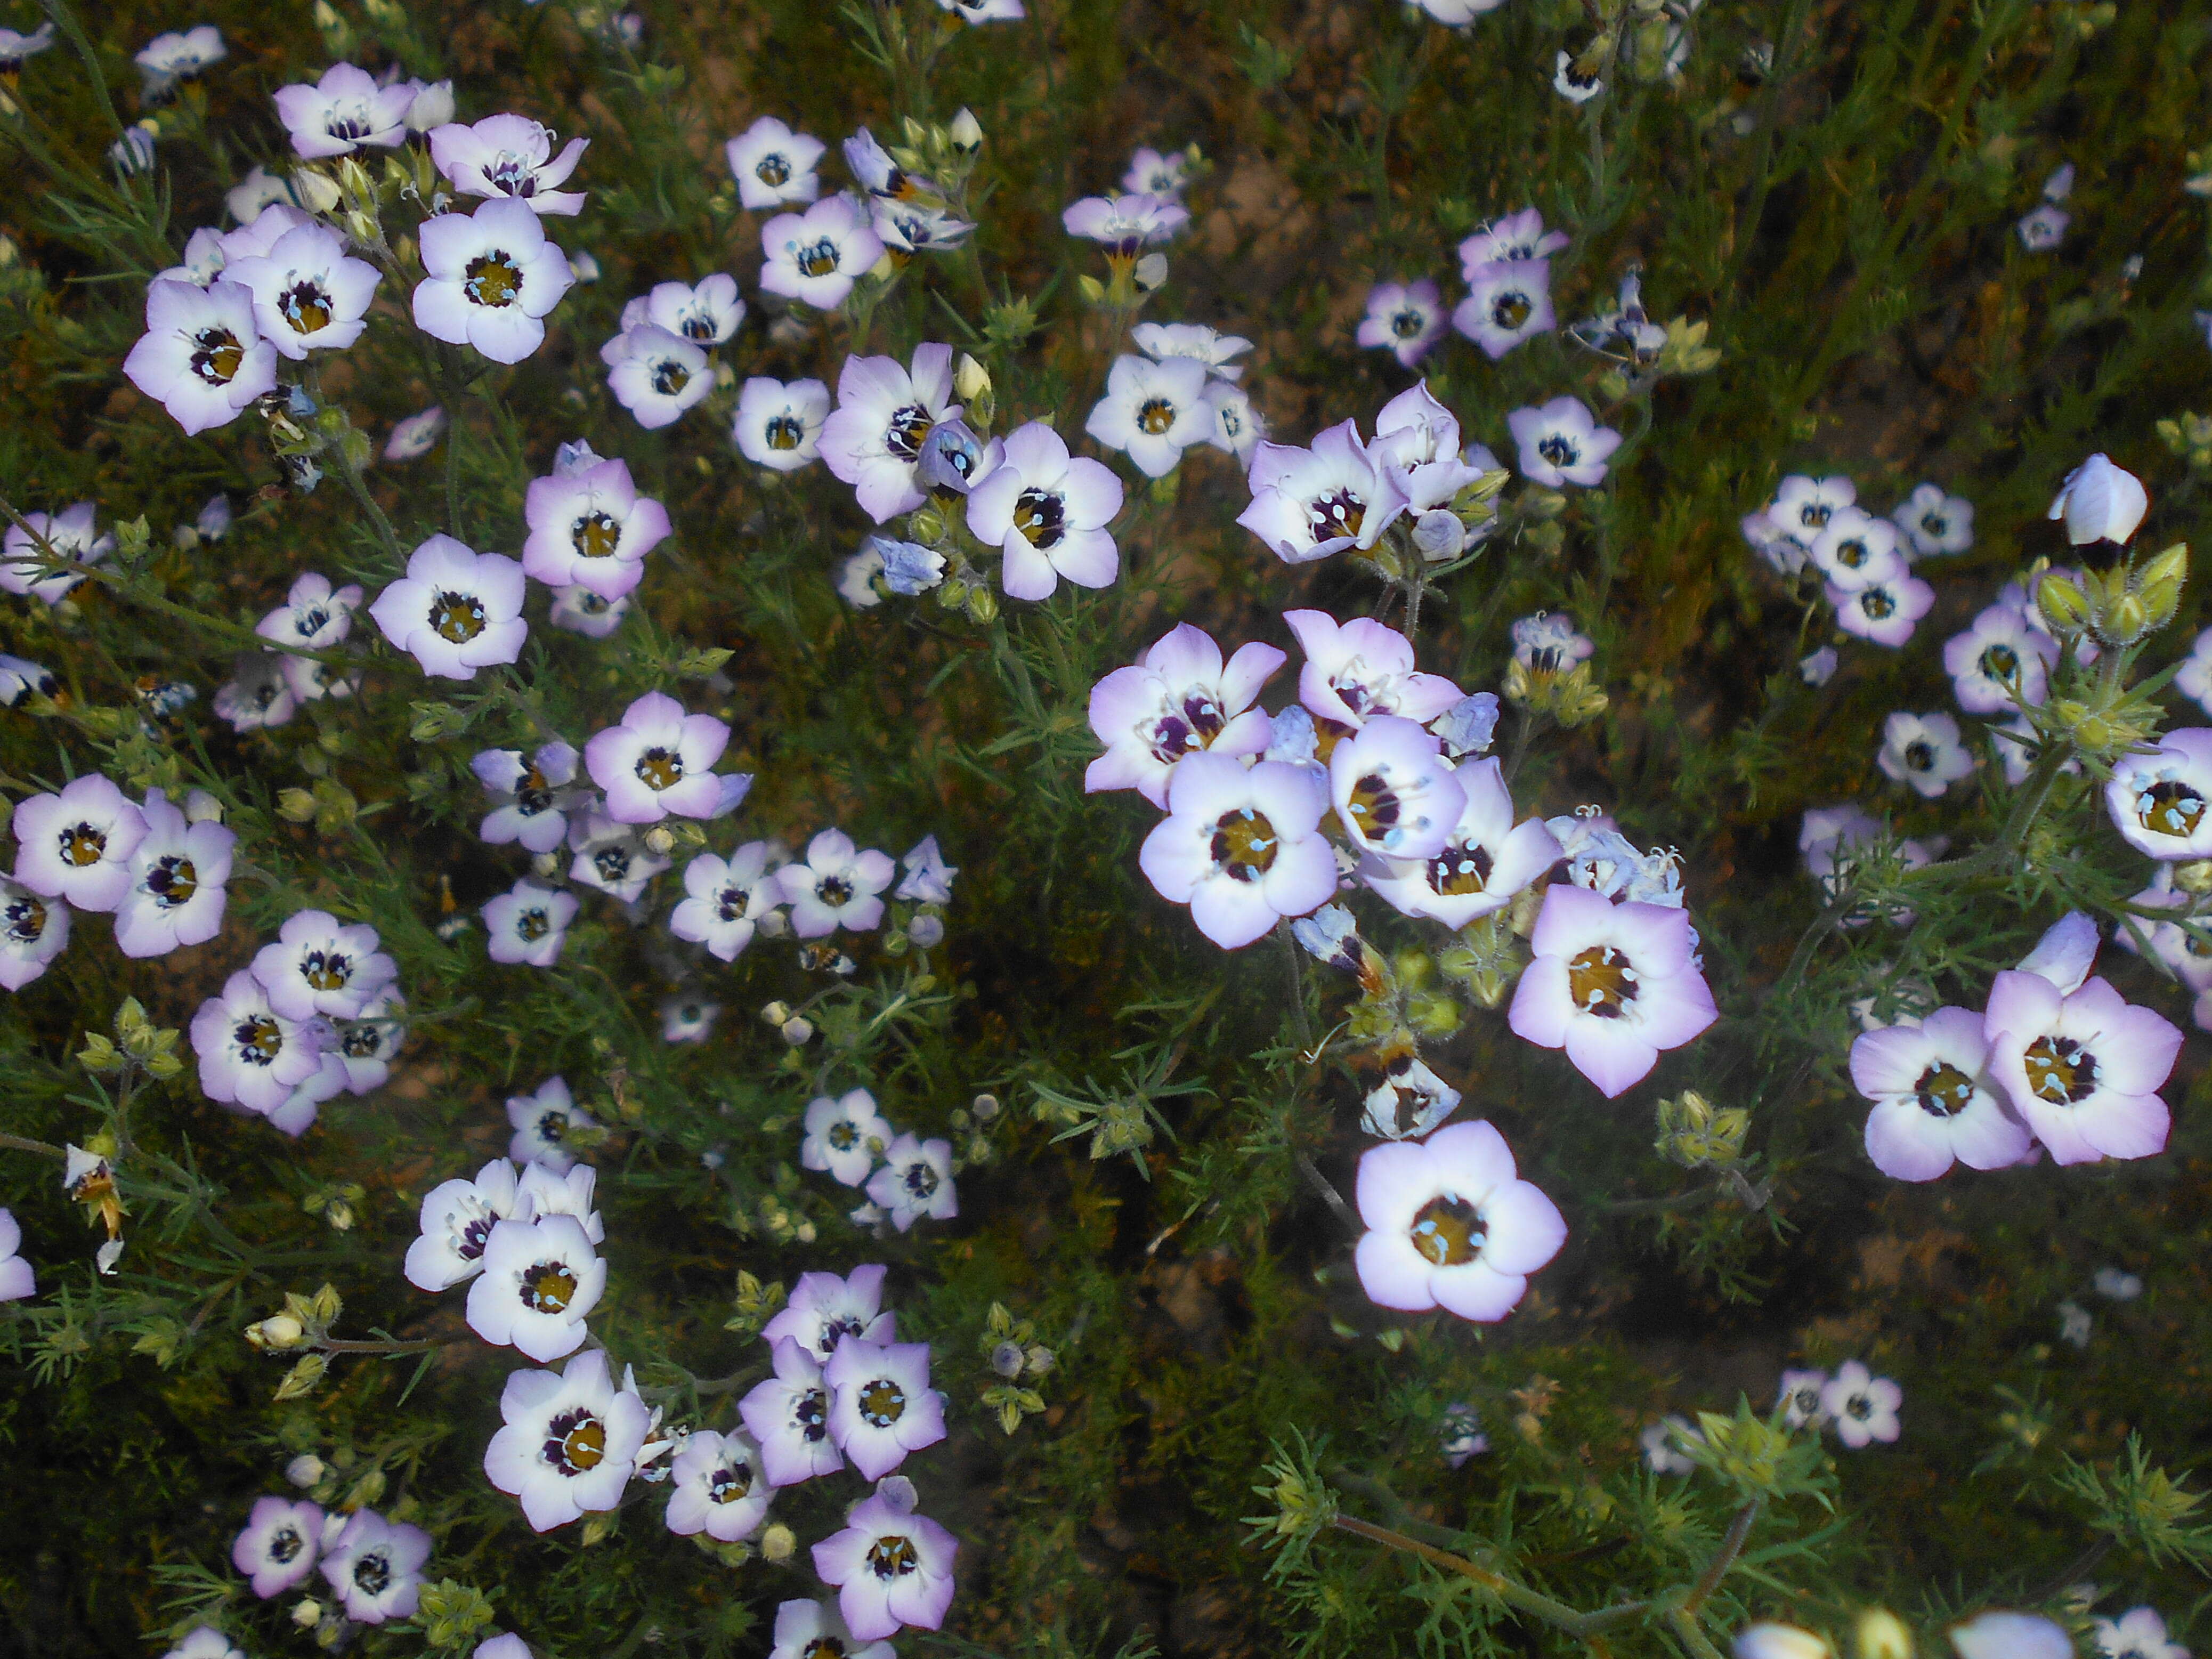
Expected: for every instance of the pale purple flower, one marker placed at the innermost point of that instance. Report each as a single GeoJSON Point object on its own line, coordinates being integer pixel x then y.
{"type": "Point", "coordinates": [929, 878]}
{"type": "Point", "coordinates": [1404, 318]}
{"type": "Point", "coordinates": [1180, 700]}
{"type": "Point", "coordinates": [177, 891]}
{"type": "Point", "coordinates": [375, 1566]}
{"type": "Point", "coordinates": [1802, 506]}
{"type": "Point", "coordinates": [1154, 412]}
{"type": "Point", "coordinates": [1451, 1225]}
{"type": "Point", "coordinates": [655, 374]}
{"type": "Point", "coordinates": [1153, 174]}
{"type": "Point", "coordinates": [611, 857]}
{"type": "Point", "coordinates": [1309, 503]}
{"type": "Point", "coordinates": [2082, 1066]}
{"type": "Point", "coordinates": [1508, 301]}
{"type": "Point", "coordinates": [1241, 845]}
{"type": "Point", "coordinates": [893, 1566]}
{"type": "Point", "coordinates": [915, 1181]}
{"type": "Point", "coordinates": [1122, 224]}
{"type": "Point", "coordinates": [250, 1055]}
{"type": "Point", "coordinates": [1561, 443]}
{"type": "Point", "coordinates": [717, 1486]}
{"type": "Point", "coordinates": [455, 1224]}
{"type": "Point", "coordinates": [2160, 801]}
{"type": "Point", "coordinates": [1393, 792]}
{"type": "Point", "coordinates": [773, 165]}
{"type": "Point", "coordinates": [509, 156]}
{"type": "Point", "coordinates": [2139, 1633]}
{"type": "Point", "coordinates": [571, 1439]}
{"type": "Point", "coordinates": [779, 425]}
{"type": "Point", "coordinates": [816, 1630]}
{"type": "Point", "coordinates": [881, 1405]}
{"type": "Point", "coordinates": [1357, 670]}
{"type": "Point", "coordinates": [309, 295]}
{"type": "Point", "coordinates": [2011, 1636]}
{"type": "Point", "coordinates": [530, 795]}
{"type": "Point", "coordinates": [278, 1545]}
{"type": "Point", "coordinates": [1883, 612]}
{"type": "Point", "coordinates": [493, 279]}
{"type": "Point", "coordinates": [844, 1138]}
{"type": "Point", "coordinates": [319, 965]}
{"type": "Point", "coordinates": [542, 1121]}
{"type": "Point", "coordinates": [1934, 522]}
{"type": "Point", "coordinates": [1862, 1406]}
{"type": "Point", "coordinates": [816, 256]}
{"type": "Point", "coordinates": [589, 526]}
{"type": "Point", "coordinates": [455, 611]}
{"type": "Point", "coordinates": [343, 111]}
{"type": "Point", "coordinates": [1516, 236]}
{"type": "Point", "coordinates": [1934, 1101]}
{"type": "Point", "coordinates": [201, 357]}
{"type": "Point", "coordinates": [1856, 551]}
{"type": "Point", "coordinates": [34, 930]}
{"type": "Point", "coordinates": [1997, 659]}
{"type": "Point", "coordinates": [1612, 984]}
{"type": "Point", "coordinates": [77, 845]}
{"type": "Point", "coordinates": [725, 900]}
{"type": "Point", "coordinates": [1799, 1399]}
{"type": "Point", "coordinates": [2100, 502]}
{"type": "Point", "coordinates": [1047, 512]}
{"type": "Point", "coordinates": [539, 1278]}
{"type": "Point", "coordinates": [1923, 751]}
{"type": "Point", "coordinates": [825, 1309]}
{"type": "Point", "coordinates": [836, 885]}
{"type": "Point", "coordinates": [788, 1417]}
{"type": "Point", "coordinates": [1485, 861]}
{"type": "Point", "coordinates": [1202, 344]}
{"type": "Point", "coordinates": [884, 414]}
{"type": "Point", "coordinates": [528, 923]}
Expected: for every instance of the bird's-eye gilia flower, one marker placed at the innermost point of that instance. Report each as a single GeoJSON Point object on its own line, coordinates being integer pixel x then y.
{"type": "Point", "coordinates": [1548, 642]}
{"type": "Point", "coordinates": [2044, 228]}
{"type": "Point", "coordinates": [509, 156]}
{"type": "Point", "coordinates": [773, 165]}
{"type": "Point", "coordinates": [918, 227]}
{"type": "Point", "coordinates": [177, 891]}
{"type": "Point", "coordinates": [1934, 1102]}
{"type": "Point", "coordinates": [528, 923]}
{"type": "Point", "coordinates": [456, 610]}
{"type": "Point", "coordinates": [542, 1121]}
{"type": "Point", "coordinates": [1768, 1640]}
{"type": "Point", "coordinates": [1799, 1399]}
{"type": "Point", "coordinates": [1934, 522]}
{"type": "Point", "coordinates": [2011, 1636]}
{"type": "Point", "coordinates": [1409, 1100]}
{"type": "Point", "coordinates": [1516, 236]}
{"type": "Point", "coordinates": [2100, 502]}
{"type": "Point", "coordinates": [34, 928]}
{"type": "Point", "coordinates": [589, 526]}
{"type": "Point", "coordinates": [1883, 612]}
{"type": "Point", "coordinates": [2160, 800]}
{"type": "Point", "coordinates": [204, 1642]}
{"type": "Point", "coordinates": [2183, 953]}
{"type": "Point", "coordinates": [884, 414]}
{"type": "Point", "coordinates": [1508, 301]}
{"type": "Point", "coordinates": [570, 1442]}
{"type": "Point", "coordinates": [655, 374]}
{"type": "Point", "coordinates": [929, 878]}
{"type": "Point", "coordinates": [412, 438]}
{"type": "Point", "coordinates": [1923, 751]}
{"type": "Point", "coordinates": [314, 616]}
{"type": "Point", "coordinates": [1309, 503]}
{"type": "Point", "coordinates": [1998, 659]}
{"type": "Point", "coordinates": [1561, 443]}
{"type": "Point", "coordinates": [1404, 318]}
{"type": "Point", "coordinates": [844, 1136]}
{"type": "Point", "coordinates": [891, 1567]}
{"type": "Point", "coordinates": [492, 280]}
{"type": "Point", "coordinates": [881, 1405]}
{"type": "Point", "coordinates": [825, 1309]}
{"type": "Point", "coordinates": [375, 1566]}
{"type": "Point", "coordinates": [1485, 861]}
{"type": "Point", "coordinates": [309, 295]}
{"type": "Point", "coordinates": [1660, 1441]}
{"type": "Point", "coordinates": [1178, 700]}
{"type": "Point", "coordinates": [1571, 81]}
{"type": "Point", "coordinates": [1153, 411]}
{"type": "Point", "coordinates": [1393, 792]}
{"type": "Point", "coordinates": [815, 257]}
{"type": "Point", "coordinates": [2139, 1633]}
{"type": "Point", "coordinates": [278, 1545]}
{"type": "Point", "coordinates": [788, 1417]}
{"type": "Point", "coordinates": [1803, 506]}
{"type": "Point", "coordinates": [1862, 1406]}
{"type": "Point", "coordinates": [685, 1018]}
{"type": "Point", "coordinates": [2080, 1064]}
{"type": "Point", "coordinates": [530, 795]}
{"type": "Point", "coordinates": [20, 678]}
{"type": "Point", "coordinates": [725, 899]}
{"type": "Point", "coordinates": [430, 108]}
{"type": "Point", "coordinates": [1153, 174]}
{"type": "Point", "coordinates": [1123, 224]}
{"type": "Point", "coordinates": [1047, 511]}
{"type": "Point", "coordinates": [717, 1486]}
{"type": "Point", "coordinates": [457, 1220]}
{"type": "Point", "coordinates": [343, 111]}
{"type": "Point", "coordinates": [611, 857]}
{"type": "Point", "coordinates": [1216, 350]}
{"type": "Point", "coordinates": [540, 1279]}
{"type": "Point", "coordinates": [250, 1055]}
{"type": "Point", "coordinates": [816, 1630]}
{"type": "Point", "coordinates": [202, 357]}
{"type": "Point", "coordinates": [76, 845]}
{"type": "Point", "coordinates": [319, 965]}
{"type": "Point", "coordinates": [779, 425]}
{"type": "Point", "coordinates": [836, 885]}
{"type": "Point", "coordinates": [17, 46]}
{"type": "Point", "coordinates": [1856, 551]}
{"type": "Point", "coordinates": [1241, 845]}
{"type": "Point", "coordinates": [1450, 1224]}
{"type": "Point", "coordinates": [1614, 985]}
{"type": "Point", "coordinates": [1238, 428]}
{"type": "Point", "coordinates": [915, 1181]}
{"type": "Point", "coordinates": [579, 610]}
{"type": "Point", "coordinates": [259, 695]}
{"type": "Point", "coordinates": [1784, 551]}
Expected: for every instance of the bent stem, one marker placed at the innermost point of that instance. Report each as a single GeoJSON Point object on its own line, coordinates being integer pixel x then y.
{"type": "Point", "coordinates": [1517, 1595]}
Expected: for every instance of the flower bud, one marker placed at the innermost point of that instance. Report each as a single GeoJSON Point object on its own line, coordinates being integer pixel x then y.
{"type": "Point", "coordinates": [2194, 877]}
{"type": "Point", "coordinates": [1882, 1635]}
{"type": "Point", "coordinates": [798, 1032]}
{"type": "Point", "coordinates": [2125, 621]}
{"type": "Point", "coordinates": [971, 379]}
{"type": "Point", "coordinates": [2161, 582]}
{"type": "Point", "coordinates": [965, 133]}
{"type": "Point", "coordinates": [927, 931]}
{"type": "Point", "coordinates": [1151, 271]}
{"type": "Point", "coordinates": [2100, 502]}
{"type": "Point", "coordinates": [1772, 1641]}
{"type": "Point", "coordinates": [1438, 535]}
{"type": "Point", "coordinates": [2062, 603]}
{"type": "Point", "coordinates": [777, 1013]}
{"type": "Point", "coordinates": [432, 107]}
{"type": "Point", "coordinates": [314, 190]}
{"type": "Point", "coordinates": [986, 1107]}
{"type": "Point", "coordinates": [304, 1471]}
{"type": "Point", "coordinates": [307, 1613]}
{"type": "Point", "coordinates": [201, 807]}
{"type": "Point", "coordinates": [778, 1543]}
{"type": "Point", "coordinates": [277, 1331]}
{"type": "Point", "coordinates": [659, 841]}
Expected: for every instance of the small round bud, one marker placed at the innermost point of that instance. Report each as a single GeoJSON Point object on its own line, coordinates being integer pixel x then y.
{"type": "Point", "coordinates": [546, 864]}
{"type": "Point", "coordinates": [927, 931]}
{"type": "Point", "coordinates": [659, 841]}
{"type": "Point", "coordinates": [2194, 878]}
{"type": "Point", "coordinates": [305, 1470]}
{"type": "Point", "coordinates": [986, 1107]}
{"type": "Point", "coordinates": [1882, 1635]}
{"type": "Point", "coordinates": [777, 1013]}
{"type": "Point", "coordinates": [1772, 1641]}
{"type": "Point", "coordinates": [798, 1032]}
{"type": "Point", "coordinates": [307, 1613]}
{"type": "Point", "coordinates": [778, 1543]}
{"type": "Point", "coordinates": [1006, 1359]}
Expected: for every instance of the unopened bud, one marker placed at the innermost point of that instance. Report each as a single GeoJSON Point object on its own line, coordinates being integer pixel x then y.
{"type": "Point", "coordinates": [277, 1331]}
{"type": "Point", "coordinates": [798, 1032]}
{"type": "Point", "coordinates": [2062, 603]}
{"type": "Point", "coordinates": [778, 1543]}
{"type": "Point", "coordinates": [304, 1471]}
{"type": "Point", "coordinates": [965, 133]}
{"type": "Point", "coordinates": [1882, 1635]}
{"type": "Point", "coordinates": [2194, 877]}
{"type": "Point", "coordinates": [307, 1613]}
{"type": "Point", "coordinates": [314, 190]}
{"type": "Point", "coordinates": [777, 1013]}
{"type": "Point", "coordinates": [971, 379]}
{"type": "Point", "coordinates": [1772, 1641]}
{"type": "Point", "coordinates": [659, 841]}
{"type": "Point", "coordinates": [1151, 271]}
